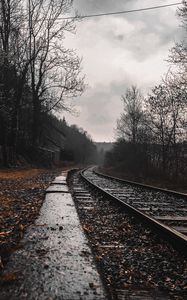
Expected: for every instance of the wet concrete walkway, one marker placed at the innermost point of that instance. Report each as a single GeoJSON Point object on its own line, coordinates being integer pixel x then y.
{"type": "Point", "coordinates": [55, 261]}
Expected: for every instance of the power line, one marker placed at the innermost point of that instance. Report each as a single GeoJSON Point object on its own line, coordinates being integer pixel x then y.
{"type": "Point", "coordinates": [121, 12]}
{"type": "Point", "coordinates": [118, 12]}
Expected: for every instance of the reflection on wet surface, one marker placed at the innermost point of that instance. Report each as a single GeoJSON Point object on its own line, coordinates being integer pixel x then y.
{"type": "Point", "coordinates": [55, 261]}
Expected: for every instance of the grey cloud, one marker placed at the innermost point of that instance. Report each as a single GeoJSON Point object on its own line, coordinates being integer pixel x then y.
{"type": "Point", "coordinates": [146, 40]}
{"type": "Point", "coordinates": [99, 6]}
{"type": "Point", "coordinates": [158, 28]}
{"type": "Point", "coordinates": [103, 102]}
{"type": "Point", "coordinates": [149, 39]}
{"type": "Point", "coordinates": [103, 106]}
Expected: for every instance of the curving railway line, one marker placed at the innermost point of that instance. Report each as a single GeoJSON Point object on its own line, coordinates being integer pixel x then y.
{"type": "Point", "coordinates": [164, 211]}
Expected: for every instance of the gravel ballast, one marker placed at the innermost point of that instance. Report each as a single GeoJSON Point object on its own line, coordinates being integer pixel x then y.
{"type": "Point", "coordinates": [129, 255]}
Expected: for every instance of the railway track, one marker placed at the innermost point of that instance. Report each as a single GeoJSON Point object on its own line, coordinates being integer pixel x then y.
{"type": "Point", "coordinates": [165, 211]}
{"type": "Point", "coordinates": [135, 262]}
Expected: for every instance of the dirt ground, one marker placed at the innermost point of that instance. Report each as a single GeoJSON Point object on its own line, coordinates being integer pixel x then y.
{"type": "Point", "coordinates": [21, 195]}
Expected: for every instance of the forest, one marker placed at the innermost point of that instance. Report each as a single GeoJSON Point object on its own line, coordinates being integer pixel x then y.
{"type": "Point", "coordinates": [152, 130]}
{"type": "Point", "coordinates": [38, 78]}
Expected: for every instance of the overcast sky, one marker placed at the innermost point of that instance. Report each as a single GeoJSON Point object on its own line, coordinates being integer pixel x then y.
{"type": "Point", "coordinates": [119, 51]}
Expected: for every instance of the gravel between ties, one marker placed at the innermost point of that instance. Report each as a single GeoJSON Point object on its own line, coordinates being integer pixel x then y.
{"type": "Point", "coordinates": [130, 255]}
{"type": "Point", "coordinates": [154, 200]}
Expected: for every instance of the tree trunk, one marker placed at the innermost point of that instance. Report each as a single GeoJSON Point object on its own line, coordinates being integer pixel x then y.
{"type": "Point", "coordinates": [36, 121]}
{"type": "Point", "coordinates": [15, 116]}
{"type": "Point", "coordinates": [4, 143]}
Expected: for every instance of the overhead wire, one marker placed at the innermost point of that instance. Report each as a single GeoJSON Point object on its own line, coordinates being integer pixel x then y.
{"type": "Point", "coordinates": [80, 17]}
{"type": "Point", "coordinates": [121, 12]}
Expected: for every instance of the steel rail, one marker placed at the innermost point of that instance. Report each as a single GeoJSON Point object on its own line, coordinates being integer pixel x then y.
{"type": "Point", "coordinates": [177, 239]}
{"type": "Point", "coordinates": [146, 186]}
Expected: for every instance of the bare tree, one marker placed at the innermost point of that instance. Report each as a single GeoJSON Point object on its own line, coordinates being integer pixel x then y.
{"type": "Point", "coordinates": [167, 111]}
{"type": "Point", "coordinates": [54, 70]}
{"type": "Point", "coordinates": [10, 20]}
{"type": "Point", "coordinates": [177, 94]}
{"type": "Point", "coordinates": [178, 54]}
{"type": "Point", "coordinates": [130, 121]}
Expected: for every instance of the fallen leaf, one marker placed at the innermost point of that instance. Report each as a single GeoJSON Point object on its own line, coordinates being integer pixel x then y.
{"type": "Point", "coordinates": [87, 228]}
{"type": "Point", "coordinates": [1, 263]}
{"type": "Point", "coordinates": [21, 227]}
{"type": "Point", "coordinates": [4, 233]}
{"type": "Point", "coordinates": [8, 277]}
{"type": "Point", "coordinates": [98, 258]}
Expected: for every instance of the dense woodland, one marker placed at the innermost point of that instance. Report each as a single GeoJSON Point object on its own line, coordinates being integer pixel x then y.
{"type": "Point", "coordinates": [152, 130]}
{"type": "Point", "coordinates": [39, 76]}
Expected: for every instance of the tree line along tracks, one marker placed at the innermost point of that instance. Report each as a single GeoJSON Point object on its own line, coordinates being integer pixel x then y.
{"type": "Point", "coordinates": [164, 211]}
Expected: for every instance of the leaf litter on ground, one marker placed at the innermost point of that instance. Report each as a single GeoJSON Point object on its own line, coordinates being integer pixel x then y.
{"type": "Point", "coordinates": [21, 195]}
